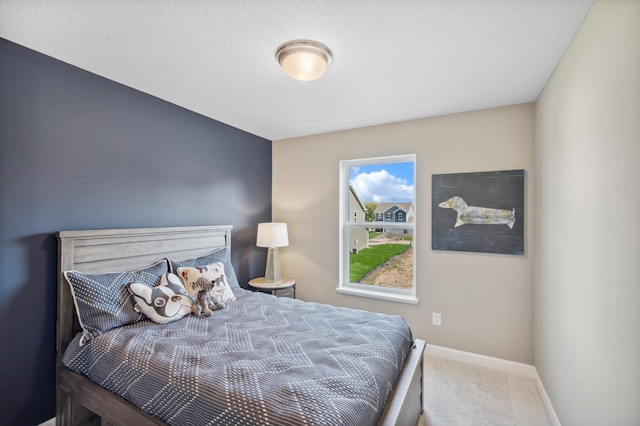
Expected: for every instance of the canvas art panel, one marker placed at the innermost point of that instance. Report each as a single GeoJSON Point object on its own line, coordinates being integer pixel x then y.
{"type": "Point", "coordinates": [478, 212]}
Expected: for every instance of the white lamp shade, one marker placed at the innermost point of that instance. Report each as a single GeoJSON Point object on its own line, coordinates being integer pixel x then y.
{"type": "Point", "coordinates": [272, 235]}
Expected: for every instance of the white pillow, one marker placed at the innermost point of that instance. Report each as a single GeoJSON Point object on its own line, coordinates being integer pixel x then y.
{"type": "Point", "coordinates": [213, 273]}
{"type": "Point", "coordinates": [167, 302]}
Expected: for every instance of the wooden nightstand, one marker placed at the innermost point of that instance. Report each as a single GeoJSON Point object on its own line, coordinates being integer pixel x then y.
{"type": "Point", "coordinates": [286, 287]}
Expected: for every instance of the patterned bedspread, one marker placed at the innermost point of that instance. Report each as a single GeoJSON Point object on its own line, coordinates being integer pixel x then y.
{"type": "Point", "coordinates": [260, 360]}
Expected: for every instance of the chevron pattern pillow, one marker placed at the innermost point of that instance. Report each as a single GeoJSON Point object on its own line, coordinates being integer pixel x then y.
{"type": "Point", "coordinates": [103, 301]}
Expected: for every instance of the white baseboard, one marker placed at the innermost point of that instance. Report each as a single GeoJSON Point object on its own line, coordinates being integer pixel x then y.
{"type": "Point", "coordinates": [551, 412]}
{"type": "Point", "coordinates": [501, 365]}
{"type": "Point", "coordinates": [50, 422]}
{"type": "Point", "coordinates": [482, 360]}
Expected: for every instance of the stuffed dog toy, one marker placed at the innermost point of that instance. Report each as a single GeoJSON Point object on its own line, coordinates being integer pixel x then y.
{"type": "Point", "coordinates": [204, 302]}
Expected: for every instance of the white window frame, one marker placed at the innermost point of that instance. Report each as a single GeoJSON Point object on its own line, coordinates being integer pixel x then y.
{"type": "Point", "coordinates": [365, 290]}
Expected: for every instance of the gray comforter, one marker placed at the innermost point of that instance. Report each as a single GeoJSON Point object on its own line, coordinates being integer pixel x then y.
{"type": "Point", "coordinates": [260, 360]}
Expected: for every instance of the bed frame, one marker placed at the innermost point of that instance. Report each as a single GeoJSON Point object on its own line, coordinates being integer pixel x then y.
{"type": "Point", "coordinates": [79, 401]}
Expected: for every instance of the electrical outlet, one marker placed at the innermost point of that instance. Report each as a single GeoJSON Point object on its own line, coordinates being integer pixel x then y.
{"type": "Point", "coordinates": [436, 318]}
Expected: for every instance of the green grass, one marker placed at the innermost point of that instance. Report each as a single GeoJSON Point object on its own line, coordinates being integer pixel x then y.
{"type": "Point", "coordinates": [370, 258]}
{"type": "Point", "coordinates": [372, 234]}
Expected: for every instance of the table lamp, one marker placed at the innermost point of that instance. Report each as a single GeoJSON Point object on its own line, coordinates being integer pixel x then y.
{"type": "Point", "coordinates": [272, 235]}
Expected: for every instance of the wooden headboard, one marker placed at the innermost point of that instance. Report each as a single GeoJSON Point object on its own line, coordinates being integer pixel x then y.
{"type": "Point", "coordinates": [114, 250]}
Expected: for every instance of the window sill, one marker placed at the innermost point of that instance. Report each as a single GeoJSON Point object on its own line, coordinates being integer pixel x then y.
{"type": "Point", "coordinates": [399, 298]}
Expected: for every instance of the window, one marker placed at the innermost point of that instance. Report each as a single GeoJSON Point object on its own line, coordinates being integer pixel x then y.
{"type": "Point", "coordinates": [377, 257]}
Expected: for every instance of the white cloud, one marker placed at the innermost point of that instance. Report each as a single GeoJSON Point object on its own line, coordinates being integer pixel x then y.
{"type": "Point", "coordinates": [381, 186]}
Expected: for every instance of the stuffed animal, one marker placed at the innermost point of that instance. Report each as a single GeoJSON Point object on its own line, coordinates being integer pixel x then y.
{"type": "Point", "coordinates": [205, 302]}
{"type": "Point", "coordinates": [213, 273]}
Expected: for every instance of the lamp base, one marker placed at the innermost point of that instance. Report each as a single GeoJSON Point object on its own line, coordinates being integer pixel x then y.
{"type": "Point", "coordinates": [272, 271]}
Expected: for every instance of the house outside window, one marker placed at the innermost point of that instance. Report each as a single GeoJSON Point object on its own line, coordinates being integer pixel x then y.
{"type": "Point", "coordinates": [387, 184]}
{"type": "Point", "coordinates": [358, 239]}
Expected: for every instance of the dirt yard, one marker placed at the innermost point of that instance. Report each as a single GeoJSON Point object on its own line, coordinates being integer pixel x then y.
{"type": "Point", "coordinates": [397, 272]}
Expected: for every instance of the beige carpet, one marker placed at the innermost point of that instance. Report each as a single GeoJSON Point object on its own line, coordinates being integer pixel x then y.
{"type": "Point", "coordinates": [460, 394]}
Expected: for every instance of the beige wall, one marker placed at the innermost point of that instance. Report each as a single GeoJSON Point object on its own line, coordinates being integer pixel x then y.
{"type": "Point", "coordinates": [587, 273]}
{"type": "Point", "coordinates": [486, 300]}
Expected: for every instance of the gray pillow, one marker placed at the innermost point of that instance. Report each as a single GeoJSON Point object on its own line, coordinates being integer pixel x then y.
{"type": "Point", "coordinates": [103, 301]}
{"type": "Point", "coordinates": [222, 254]}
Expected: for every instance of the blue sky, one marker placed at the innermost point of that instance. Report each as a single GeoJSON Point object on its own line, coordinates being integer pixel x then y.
{"type": "Point", "coordinates": [390, 182]}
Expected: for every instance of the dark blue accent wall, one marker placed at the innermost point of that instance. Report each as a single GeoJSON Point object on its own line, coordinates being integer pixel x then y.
{"type": "Point", "coordinates": [78, 151]}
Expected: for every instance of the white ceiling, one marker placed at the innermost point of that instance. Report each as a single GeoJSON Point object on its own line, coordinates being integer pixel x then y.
{"type": "Point", "coordinates": [394, 60]}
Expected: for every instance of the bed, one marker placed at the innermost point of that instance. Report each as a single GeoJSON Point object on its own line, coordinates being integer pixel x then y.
{"type": "Point", "coordinates": [232, 367]}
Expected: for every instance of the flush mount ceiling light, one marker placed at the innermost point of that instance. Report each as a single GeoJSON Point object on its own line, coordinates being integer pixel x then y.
{"type": "Point", "coordinates": [304, 59]}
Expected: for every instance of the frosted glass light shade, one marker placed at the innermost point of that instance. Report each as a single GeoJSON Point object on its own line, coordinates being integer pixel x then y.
{"type": "Point", "coordinates": [272, 235]}
{"type": "Point", "coordinates": [304, 60]}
